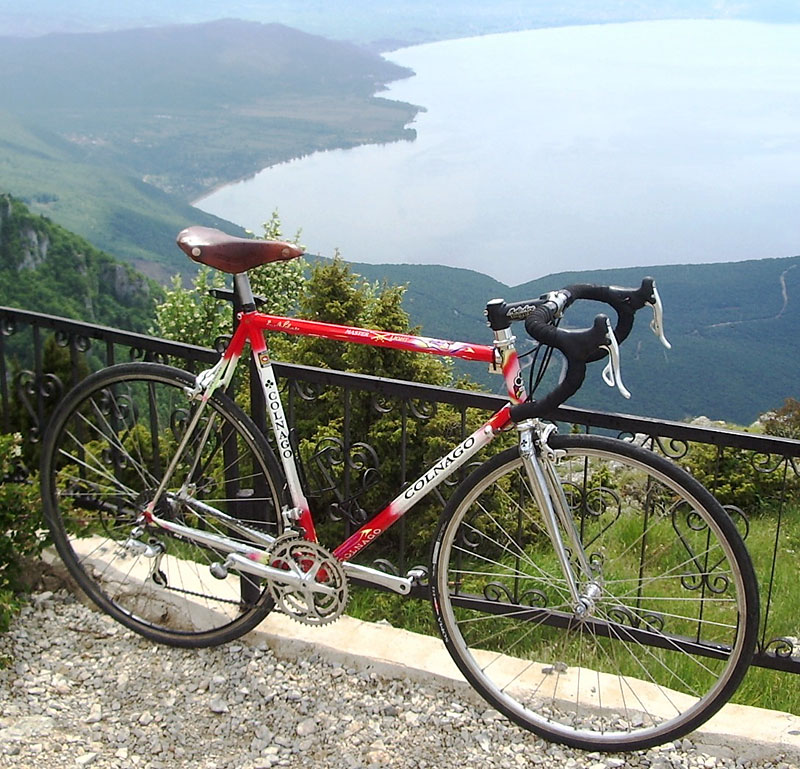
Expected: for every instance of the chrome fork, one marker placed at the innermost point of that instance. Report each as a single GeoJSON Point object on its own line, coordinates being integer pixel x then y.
{"type": "Point", "coordinates": [539, 461]}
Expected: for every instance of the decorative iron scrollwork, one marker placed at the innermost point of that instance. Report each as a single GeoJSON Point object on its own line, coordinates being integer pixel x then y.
{"type": "Point", "coordinates": [386, 566]}
{"type": "Point", "coordinates": [766, 463]}
{"type": "Point", "coordinates": [674, 448]}
{"type": "Point", "coordinates": [649, 620]}
{"type": "Point", "coordinates": [307, 391]}
{"type": "Point", "coordinates": [150, 356]}
{"type": "Point", "coordinates": [78, 342]}
{"type": "Point", "coordinates": [422, 410]}
{"type": "Point", "coordinates": [498, 592]}
{"type": "Point", "coordinates": [178, 422]}
{"type": "Point", "coordinates": [33, 390]}
{"type": "Point", "coordinates": [596, 561]}
{"type": "Point", "coordinates": [739, 518]}
{"type": "Point", "coordinates": [468, 530]}
{"type": "Point", "coordinates": [783, 647]}
{"type": "Point", "coordinates": [686, 520]}
{"type": "Point", "coordinates": [329, 471]}
{"type": "Point", "coordinates": [8, 326]}
{"type": "Point", "coordinates": [221, 343]}
{"type": "Point", "coordinates": [382, 404]}
{"type": "Point", "coordinates": [596, 509]}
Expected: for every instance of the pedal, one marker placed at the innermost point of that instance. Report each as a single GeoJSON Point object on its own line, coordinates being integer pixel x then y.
{"type": "Point", "coordinates": [418, 575]}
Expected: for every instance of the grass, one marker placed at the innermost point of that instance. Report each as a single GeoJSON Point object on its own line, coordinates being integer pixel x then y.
{"type": "Point", "coordinates": [761, 687]}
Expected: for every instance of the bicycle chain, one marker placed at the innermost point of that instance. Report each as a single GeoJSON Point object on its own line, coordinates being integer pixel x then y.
{"type": "Point", "coordinates": [304, 606]}
{"type": "Point", "coordinates": [215, 598]}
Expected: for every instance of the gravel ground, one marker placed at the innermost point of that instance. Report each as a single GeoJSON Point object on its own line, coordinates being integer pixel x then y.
{"type": "Point", "coordinates": [79, 690]}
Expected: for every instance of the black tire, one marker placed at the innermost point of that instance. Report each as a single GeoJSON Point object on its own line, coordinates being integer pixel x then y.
{"type": "Point", "coordinates": [665, 643]}
{"type": "Point", "coordinates": [104, 455]}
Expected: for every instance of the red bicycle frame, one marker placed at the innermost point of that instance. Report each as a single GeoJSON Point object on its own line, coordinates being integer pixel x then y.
{"type": "Point", "coordinates": [251, 328]}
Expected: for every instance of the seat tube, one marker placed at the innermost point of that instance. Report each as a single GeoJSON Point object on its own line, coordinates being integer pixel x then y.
{"type": "Point", "coordinates": [531, 460]}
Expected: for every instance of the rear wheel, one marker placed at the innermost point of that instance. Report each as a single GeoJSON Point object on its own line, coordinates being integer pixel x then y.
{"type": "Point", "coordinates": [105, 454]}
{"type": "Point", "coordinates": [670, 612]}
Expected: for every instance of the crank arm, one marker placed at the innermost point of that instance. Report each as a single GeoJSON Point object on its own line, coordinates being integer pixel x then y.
{"type": "Point", "coordinates": [281, 576]}
{"type": "Point", "coordinates": [401, 585]}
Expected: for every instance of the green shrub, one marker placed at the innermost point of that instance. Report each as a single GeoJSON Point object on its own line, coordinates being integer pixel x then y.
{"type": "Point", "coordinates": [21, 527]}
{"type": "Point", "coordinates": [752, 482]}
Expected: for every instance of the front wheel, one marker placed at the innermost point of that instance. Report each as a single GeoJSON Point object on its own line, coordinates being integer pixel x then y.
{"type": "Point", "coordinates": [669, 620]}
{"type": "Point", "coordinates": [109, 445]}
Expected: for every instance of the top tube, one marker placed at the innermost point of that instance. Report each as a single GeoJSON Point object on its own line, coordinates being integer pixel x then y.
{"type": "Point", "coordinates": [389, 339]}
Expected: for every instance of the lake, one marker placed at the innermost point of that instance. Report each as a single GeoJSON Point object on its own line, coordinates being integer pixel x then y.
{"type": "Point", "coordinates": [564, 149]}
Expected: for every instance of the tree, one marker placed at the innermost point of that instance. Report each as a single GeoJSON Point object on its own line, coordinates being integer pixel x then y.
{"type": "Point", "coordinates": [280, 283]}
{"type": "Point", "coordinates": [193, 315]}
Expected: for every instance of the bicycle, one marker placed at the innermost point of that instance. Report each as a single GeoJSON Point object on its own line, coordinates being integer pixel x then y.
{"type": "Point", "coordinates": [588, 588]}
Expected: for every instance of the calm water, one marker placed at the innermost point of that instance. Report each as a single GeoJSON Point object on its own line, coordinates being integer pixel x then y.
{"type": "Point", "coordinates": [571, 148]}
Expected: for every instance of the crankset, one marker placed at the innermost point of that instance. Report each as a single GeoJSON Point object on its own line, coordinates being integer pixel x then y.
{"type": "Point", "coordinates": [317, 592]}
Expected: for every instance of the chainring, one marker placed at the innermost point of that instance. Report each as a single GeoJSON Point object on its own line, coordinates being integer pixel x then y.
{"type": "Point", "coordinates": [324, 596]}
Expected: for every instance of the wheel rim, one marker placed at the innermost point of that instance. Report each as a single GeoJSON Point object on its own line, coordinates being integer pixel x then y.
{"type": "Point", "coordinates": [511, 624]}
{"type": "Point", "coordinates": [108, 458]}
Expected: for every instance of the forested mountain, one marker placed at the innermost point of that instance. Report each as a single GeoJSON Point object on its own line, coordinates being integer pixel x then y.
{"type": "Point", "coordinates": [112, 135]}
{"type": "Point", "coordinates": [45, 268]}
{"type": "Point", "coordinates": [733, 329]}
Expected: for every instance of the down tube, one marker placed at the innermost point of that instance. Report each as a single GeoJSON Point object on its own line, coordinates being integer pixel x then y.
{"type": "Point", "coordinates": [414, 492]}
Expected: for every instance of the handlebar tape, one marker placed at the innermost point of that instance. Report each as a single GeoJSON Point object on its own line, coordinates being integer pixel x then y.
{"type": "Point", "coordinates": [625, 302]}
{"type": "Point", "coordinates": [578, 346]}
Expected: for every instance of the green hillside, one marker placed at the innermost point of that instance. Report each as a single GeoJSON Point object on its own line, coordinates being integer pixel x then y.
{"type": "Point", "coordinates": [45, 268]}
{"type": "Point", "coordinates": [113, 134]}
{"type": "Point", "coordinates": [189, 107]}
{"type": "Point", "coordinates": [733, 329]}
{"type": "Point", "coordinates": [113, 209]}
{"type": "Point", "coordinates": [733, 326]}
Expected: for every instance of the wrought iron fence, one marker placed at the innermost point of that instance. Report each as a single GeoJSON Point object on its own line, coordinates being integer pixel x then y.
{"type": "Point", "coordinates": [41, 356]}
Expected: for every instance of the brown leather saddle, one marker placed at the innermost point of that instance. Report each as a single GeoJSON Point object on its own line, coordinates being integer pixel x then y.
{"type": "Point", "coordinates": [231, 254]}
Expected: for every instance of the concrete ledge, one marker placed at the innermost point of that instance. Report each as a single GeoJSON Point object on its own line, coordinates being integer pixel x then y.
{"type": "Point", "coordinates": [753, 733]}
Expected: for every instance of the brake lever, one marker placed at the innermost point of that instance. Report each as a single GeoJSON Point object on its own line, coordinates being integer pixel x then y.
{"type": "Point", "coordinates": [657, 324]}
{"type": "Point", "coordinates": [612, 373]}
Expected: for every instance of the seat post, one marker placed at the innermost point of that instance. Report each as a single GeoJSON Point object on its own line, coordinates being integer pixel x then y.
{"type": "Point", "coordinates": [242, 293]}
